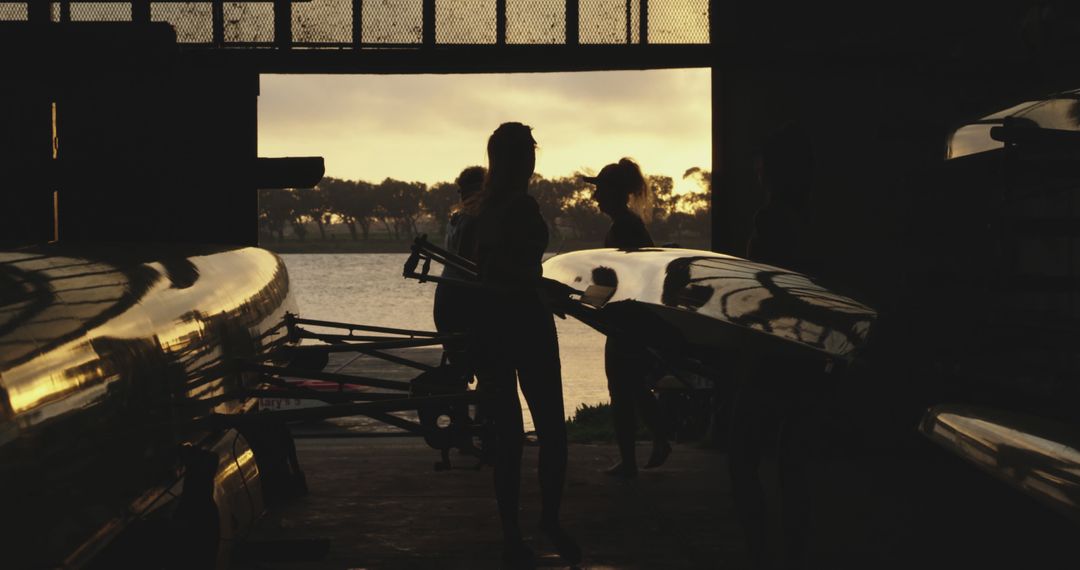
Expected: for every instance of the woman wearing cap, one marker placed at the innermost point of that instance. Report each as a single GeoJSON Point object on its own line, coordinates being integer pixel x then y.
{"type": "Point", "coordinates": [517, 338]}
{"type": "Point", "coordinates": [620, 190]}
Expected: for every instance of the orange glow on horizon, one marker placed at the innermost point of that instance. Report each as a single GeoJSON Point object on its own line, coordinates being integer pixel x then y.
{"type": "Point", "coordinates": [428, 127]}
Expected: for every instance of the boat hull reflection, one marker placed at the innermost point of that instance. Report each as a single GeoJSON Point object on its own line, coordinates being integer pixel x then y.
{"type": "Point", "coordinates": [717, 303]}
{"type": "Point", "coordinates": [106, 354]}
{"type": "Point", "coordinates": [1039, 457]}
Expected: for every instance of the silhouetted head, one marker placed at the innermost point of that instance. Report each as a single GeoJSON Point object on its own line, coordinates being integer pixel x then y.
{"type": "Point", "coordinates": [620, 186]}
{"type": "Point", "coordinates": [786, 164]}
{"type": "Point", "coordinates": [470, 181]}
{"type": "Point", "coordinates": [511, 159]}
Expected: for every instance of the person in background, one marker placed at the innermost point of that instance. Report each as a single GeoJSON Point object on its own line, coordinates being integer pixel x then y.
{"type": "Point", "coordinates": [785, 172]}
{"type": "Point", "coordinates": [454, 306]}
{"type": "Point", "coordinates": [622, 194]}
{"type": "Point", "coordinates": [518, 342]}
{"type": "Point", "coordinates": [771, 400]}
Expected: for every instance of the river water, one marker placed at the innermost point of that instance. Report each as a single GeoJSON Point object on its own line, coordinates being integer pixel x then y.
{"type": "Point", "coordinates": [368, 288]}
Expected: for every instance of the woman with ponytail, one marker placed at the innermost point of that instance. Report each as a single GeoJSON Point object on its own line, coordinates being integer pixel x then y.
{"type": "Point", "coordinates": [518, 342]}
{"type": "Point", "coordinates": [623, 195]}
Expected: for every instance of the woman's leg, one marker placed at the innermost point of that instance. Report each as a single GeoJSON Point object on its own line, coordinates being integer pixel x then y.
{"type": "Point", "coordinates": [504, 409]}
{"type": "Point", "coordinates": [649, 409]}
{"type": "Point", "coordinates": [650, 414]}
{"type": "Point", "coordinates": [794, 490]}
{"type": "Point", "coordinates": [541, 383]}
{"type": "Point", "coordinates": [794, 450]}
{"type": "Point", "coordinates": [499, 401]}
{"type": "Point", "coordinates": [744, 458]}
{"type": "Point", "coordinates": [621, 388]}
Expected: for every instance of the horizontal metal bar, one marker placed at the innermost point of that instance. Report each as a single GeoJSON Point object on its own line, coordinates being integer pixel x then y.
{"type": "Point", "coordinates": [457, 58]}
{"type": "Point", "coordinates": [397, 422]}
{"type": "Point", "coordinates": [306, 392]}
{"type": "Point", "coordinates": [462, 262]}
{"type": "Point", "coordinates": [371, 47]}
{"type": "Point", "coordinates": [431, 256]}
{"type": "Point", "coordinates": [370, 346]}
{"type": "Point", "coordinates": [329, 377]}
{"type": "Point", "coordinates": [333, 411]}
{"type": "Point", "coordinates": [302, 333]}
{"type": "Point", "coordinates": [423, 243]}
{"type": "Point", "coordinates": [356, 434]}
{"type": "Point", "coordinates": [402, 361]}
{"type": "Point", "coordinates": [331, 397]}
{"type": "Point", "coordinates": [471, 270]}
{"type": "Point", "coordinates": [302, 394]}
{"type": "Point", "coordinates": [368, 328]}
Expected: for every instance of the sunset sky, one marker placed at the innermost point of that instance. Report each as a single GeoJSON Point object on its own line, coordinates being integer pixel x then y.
{"type": "Point", "coordinates": [428, 127]}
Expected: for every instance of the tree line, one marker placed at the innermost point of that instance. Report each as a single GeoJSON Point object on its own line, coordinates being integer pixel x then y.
{"type": "Point", "coordinates": [398, 207]}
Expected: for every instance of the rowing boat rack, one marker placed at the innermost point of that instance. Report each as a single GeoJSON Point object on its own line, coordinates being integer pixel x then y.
{"type": "Point", "coordinates": [438, 394]}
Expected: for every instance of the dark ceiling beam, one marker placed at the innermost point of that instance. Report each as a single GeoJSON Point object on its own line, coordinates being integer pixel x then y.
{"type": "Point", "coordinates": [456, 59]}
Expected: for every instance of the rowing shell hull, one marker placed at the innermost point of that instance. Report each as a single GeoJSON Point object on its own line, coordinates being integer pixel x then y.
{"type": "Point", "coordinates": [1039, 457]}
{"type": "Point", "coordinates": [717, 302]}
{"type": "Point", "coordinates": [106, 353]}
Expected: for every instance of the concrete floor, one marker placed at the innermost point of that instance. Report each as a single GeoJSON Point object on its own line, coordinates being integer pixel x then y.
{"type": "Point", "coordinates": [381, 505]}
{"type": "Point", "coordinates": [881, 497]}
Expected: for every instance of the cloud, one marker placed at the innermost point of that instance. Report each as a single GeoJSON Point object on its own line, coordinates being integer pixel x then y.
{"type": "Point", "coordinates": [427, 127]}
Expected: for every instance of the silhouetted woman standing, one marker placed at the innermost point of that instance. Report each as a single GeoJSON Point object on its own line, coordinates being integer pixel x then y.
{"type": "Point", "coordinates": [770, 404]}
{"type": "Point", "coordinates": [518, 339]}
{"type": "Point", "coordinates": [627, 367]}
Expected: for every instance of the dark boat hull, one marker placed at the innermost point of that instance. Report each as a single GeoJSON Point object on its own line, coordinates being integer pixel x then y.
{"type": "Point", "coordinates": [106, 355]}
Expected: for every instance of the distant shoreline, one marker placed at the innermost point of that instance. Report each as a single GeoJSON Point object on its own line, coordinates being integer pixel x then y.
{"type": "Point", "coordinates": [402, 246]}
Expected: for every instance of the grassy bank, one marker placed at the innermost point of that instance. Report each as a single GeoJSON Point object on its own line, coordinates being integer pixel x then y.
{"type": "Point", "coordinates": [592, 424]}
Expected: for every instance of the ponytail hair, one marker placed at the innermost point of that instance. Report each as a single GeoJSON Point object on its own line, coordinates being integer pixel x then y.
{"type": "Point", "coordinates": [638, 193]}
